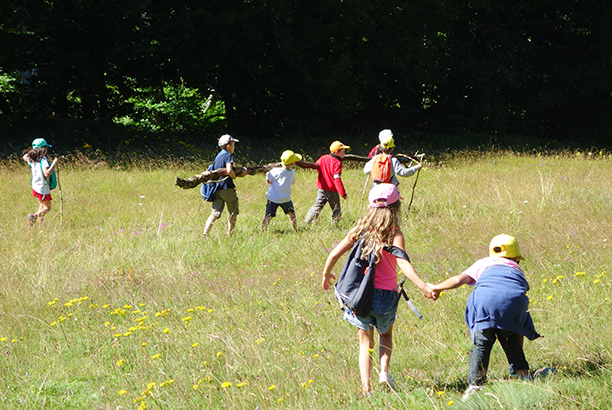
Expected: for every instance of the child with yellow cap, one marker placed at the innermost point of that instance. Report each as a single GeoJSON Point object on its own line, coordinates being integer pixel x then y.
{"type": "Point", "coordinates": [497, 308]}
{"type": "Point", "coordinates": [329, 182]}
{"type": "Point", "coordinates": [279, 189]}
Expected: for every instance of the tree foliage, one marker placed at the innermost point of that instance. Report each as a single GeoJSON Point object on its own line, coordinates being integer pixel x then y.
{"type": "Point", "coordinates": [526, 67]}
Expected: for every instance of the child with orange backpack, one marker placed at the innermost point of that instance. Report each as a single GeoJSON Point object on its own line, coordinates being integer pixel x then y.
{"type": "Point", "coordinates": [384, 167]}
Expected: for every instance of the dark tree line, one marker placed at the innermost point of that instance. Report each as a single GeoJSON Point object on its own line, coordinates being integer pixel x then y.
{"type": "Point", "coordinates": [533, 67]}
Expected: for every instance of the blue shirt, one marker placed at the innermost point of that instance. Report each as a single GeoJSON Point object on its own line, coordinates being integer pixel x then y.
{"type": "Point", "coordinates": [221, 160]}
{"type": "Point", "coordinates": [499, 301]}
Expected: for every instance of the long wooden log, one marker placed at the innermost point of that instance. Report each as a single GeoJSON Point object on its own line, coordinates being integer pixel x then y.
{"type": "Point", "coordinates": [218, 174]}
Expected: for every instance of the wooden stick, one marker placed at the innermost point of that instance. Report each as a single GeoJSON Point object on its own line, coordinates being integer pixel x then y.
{"type": "Point", "coordinates": [217, 174]}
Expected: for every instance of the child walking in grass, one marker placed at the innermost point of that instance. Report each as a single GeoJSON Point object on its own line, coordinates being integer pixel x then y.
{"type": "Point", "coordinates": [379, 226]}
{"type": "Point", "coordinates": [279, 189]}
{"type": "Point", "coordinates": [329, 183]}
{"type": "Point", "coordinates": [41, 174]}
{"type": "Point", "coordinates": [496, 309]}
{"type": "Point", "coordinates": [396, 168]}
{"type": "Point", "coordinates": [226, 193]}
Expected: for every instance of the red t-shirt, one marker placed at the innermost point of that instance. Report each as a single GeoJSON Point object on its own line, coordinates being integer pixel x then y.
{"type": "Point", "coordinates": [330, 174]}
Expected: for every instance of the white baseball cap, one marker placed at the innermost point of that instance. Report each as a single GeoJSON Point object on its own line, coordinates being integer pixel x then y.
{"type": "Point", "coordinates": [226, 139]}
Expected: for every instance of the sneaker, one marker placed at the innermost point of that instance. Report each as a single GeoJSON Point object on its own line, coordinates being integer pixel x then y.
{"type": "Point", "coordinates": [384, 377]}
{"type": "Point", "coordinates": [471, 390]}
{"type": "Point", "coordinates": [30, 219]}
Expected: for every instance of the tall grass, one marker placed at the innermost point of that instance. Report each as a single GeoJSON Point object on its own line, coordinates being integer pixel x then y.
{"type": "Point", "coordinates": [117, 301]}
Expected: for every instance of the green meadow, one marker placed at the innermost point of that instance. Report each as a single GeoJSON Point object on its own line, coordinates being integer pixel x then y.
{"type": "Point", "coordinates": [116, 302]}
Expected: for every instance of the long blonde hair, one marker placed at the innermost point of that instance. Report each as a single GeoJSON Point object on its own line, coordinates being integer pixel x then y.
{"type": "Point", "coordinates": [377, 227]}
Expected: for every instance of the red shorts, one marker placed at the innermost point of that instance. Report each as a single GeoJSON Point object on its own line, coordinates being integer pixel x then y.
{"type": "Point", "coordinates": [40, 197]}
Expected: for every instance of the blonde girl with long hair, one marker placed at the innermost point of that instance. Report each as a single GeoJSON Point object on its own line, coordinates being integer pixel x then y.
{"type": "Point", "coordinates": [379, 226]}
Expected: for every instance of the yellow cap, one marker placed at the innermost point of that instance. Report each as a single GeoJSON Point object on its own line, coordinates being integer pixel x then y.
{"type": "Point", "coordinates": [337, 146]}
{"type": "Point", "coordinates": [289, 157]}
{"type": "Point", "coordinates": [388, 142]}
{"type": "Point", "coordinates": [505, 246]}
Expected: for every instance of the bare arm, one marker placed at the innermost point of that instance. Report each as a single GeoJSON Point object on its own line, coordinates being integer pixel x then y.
{"type": "Point", "coordinates": [344, 245]}
{"type": "Point", "coordinates": [452, 283]}
{"type": "Point", "coordinates": [409, 271]}
{"type": "Point", "coordinates": [49, 170]}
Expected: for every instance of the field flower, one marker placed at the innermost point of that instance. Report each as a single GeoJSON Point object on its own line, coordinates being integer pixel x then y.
{"type": "Point", "coordinates": [225, 385]}
{"type": "Point", "coordinates": [195, 344]}
{"type": "Point", "coordinates": [166, 330]}
{"type": "Point", "coordinates": [121, 392]}
{"type": "Point", "coordinates": [219, 354]}
{"type": "Point", "coordinates": [196, 387]}
{"type": "Point", "coordinates": [241, 384]}
{"type": "Point", "coordinates": [440, 393]}
{"type": "Point", "coordinates": [272, 387]}
{"type": "Point", "coordinates": [450, 403]}
{"type": "Point", "coordinates": [120, 362]}
{"type": "Point", "coordinates": [156, 356]}
{"type": "Point", "coordinates": [550, 297]}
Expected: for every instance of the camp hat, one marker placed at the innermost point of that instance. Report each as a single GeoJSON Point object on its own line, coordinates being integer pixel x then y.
{"type": "Point", "coordinates": [39, 143]}
{"type": "Point", "coordinates": [388, 142]}
{"type": "Point", "coordinates": [226, 139]}
{"type": "Point", "coordinates": [337, 146]}
{"type": "Point", "coordinates": [383, 195]}
{"type": "Point", "coordinates": [505, 246]}
{"type": "Point", "coordinates": [289, 157]}
{"type": "Point", "coordinates": [384, 135]}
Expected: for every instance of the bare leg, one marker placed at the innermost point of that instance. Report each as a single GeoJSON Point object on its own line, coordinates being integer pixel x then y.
{"type": "Point", "coordinates": [385, 349]}
{"type": "Point", "coordinates": [366, 344]}
{"type": "Point", "coordinates": [265, 222]}
{"type": "Point", "coordinates": [209, 223]}
{"type": "Point", "coordinates": [43, 208]}
{"type": "Point", "coordinates": [293, 220]}
{"type": "Point", "coordinates": [231, 223]}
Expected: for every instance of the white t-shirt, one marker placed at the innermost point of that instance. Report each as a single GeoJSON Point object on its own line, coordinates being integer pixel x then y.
{"type": "Point", "coordinates": [279, 190]}
{"type": "Point", "coordinates": [38, 178]}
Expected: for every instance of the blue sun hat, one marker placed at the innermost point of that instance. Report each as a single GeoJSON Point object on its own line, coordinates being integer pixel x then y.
{"type": "Point", "coordinates": [40, 143]}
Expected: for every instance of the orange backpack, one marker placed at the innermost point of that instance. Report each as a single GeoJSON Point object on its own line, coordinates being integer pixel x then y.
{"type": "Point", "coordinates": [381, 169]}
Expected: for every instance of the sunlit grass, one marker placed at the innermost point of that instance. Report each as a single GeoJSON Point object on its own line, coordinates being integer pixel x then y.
{"type": "Point", "coordinates": [118, 302]}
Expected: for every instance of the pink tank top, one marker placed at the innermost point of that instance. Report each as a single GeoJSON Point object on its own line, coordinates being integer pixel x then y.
{"type": "Point", "coordinates": [386, 272]}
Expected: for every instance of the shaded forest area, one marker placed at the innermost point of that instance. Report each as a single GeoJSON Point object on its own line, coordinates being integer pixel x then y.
{"type": "Point", "coordinates": [106, 73]}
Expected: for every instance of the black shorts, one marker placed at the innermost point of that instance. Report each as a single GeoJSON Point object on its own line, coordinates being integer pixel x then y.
{"type": "Point", "coordinates": [271, 208]}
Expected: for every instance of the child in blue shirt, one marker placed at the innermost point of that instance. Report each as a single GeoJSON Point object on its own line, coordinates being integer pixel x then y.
{"type": "Point", "coordinates": [496, 309]}
{"type": "Point", "coordinates": [279, 189]}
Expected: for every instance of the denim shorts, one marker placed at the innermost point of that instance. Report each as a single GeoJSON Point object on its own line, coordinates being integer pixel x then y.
{"type": "Point", "coordinates": [382, 315]}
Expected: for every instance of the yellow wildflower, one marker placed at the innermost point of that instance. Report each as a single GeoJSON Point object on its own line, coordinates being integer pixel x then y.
{"type": "Point", "coordinates": [120, 362]}
{"type": "Point", "coordinates": [121, 392]}
{"type": "Point", "coordinates": [225, 385]}
{"type": "Point", "coordinates": [272, 387]}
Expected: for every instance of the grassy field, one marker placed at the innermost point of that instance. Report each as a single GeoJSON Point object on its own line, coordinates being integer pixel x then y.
{"type": "Point", "coordinates": [118, 303]}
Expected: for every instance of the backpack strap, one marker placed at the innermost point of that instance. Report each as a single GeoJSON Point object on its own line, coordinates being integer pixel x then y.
{"type": "Point", "coordinates": [399, 253]}
{"type": "Point", "coordinates": [42, 171]}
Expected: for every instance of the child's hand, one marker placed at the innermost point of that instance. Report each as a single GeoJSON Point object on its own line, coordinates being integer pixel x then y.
{"type": "Point", "coordinates": [435, 290]}
{"type": "Point", "coordinates": [327, 277]}
{"type": "Point", "coordinates": [429, 293]}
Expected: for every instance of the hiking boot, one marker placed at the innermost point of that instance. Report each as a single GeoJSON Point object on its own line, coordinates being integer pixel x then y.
{"type": "Point", "coordinates": [384, 377]}
{"type": "Point", "coordinates": [30, 219]}
{"type": "Point", "coordinates": [471, 390]}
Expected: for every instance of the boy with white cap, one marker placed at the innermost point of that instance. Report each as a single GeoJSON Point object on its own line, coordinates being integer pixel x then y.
{"type": "Point", "coordinates": [329, 182]}
{"type": "Point", "coordinates": [226, 192]}
{"type": "Point", "coordinates": [496, 309]}
{"type": "Point", "coordinates": [279, 189]}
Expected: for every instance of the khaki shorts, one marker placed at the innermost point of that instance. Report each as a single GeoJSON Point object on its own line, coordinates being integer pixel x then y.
{"type": "Point", "coordinates": [222, 197]}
